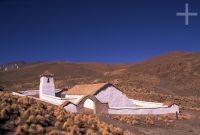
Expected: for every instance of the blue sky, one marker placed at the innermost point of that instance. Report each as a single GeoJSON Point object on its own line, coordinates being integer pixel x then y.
{"type": "Point", "coordinates": [111, 31]}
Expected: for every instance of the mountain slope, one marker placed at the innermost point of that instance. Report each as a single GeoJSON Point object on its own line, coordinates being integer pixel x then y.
{"type": "Point", "coordinates": [12, 65]}
{"type": "Point", "coordinates": [174, 73]}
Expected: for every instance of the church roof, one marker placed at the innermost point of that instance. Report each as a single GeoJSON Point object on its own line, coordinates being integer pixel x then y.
{"type": "Point", "coordinates": [86, 89]}
{"type": "Point", "coordinates": [47, 74]}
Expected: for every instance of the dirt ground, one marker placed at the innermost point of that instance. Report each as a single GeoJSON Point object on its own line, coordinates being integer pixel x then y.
{"type": "Point", "coordinates": [188, 126]}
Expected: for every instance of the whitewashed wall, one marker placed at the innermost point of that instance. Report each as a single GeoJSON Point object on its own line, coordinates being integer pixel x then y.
{"type": "Point", "coordinates": [74, 98]}
{"type": "Point", "coordinates": [18, 94]}
{"type": "Point", "coordinates": [46, 87]}
{"type": "Point", "coordinates": [121, 104]}
{"type": "Point", "coordinates": [30, 92]}
{"type": "Point", "coordinates": [143, 110]}
{"type": "Point", "coordinates": [147, 104]}
{"type": "Point", "coordinates": [114, 98]}
{"type": "Point", "coordinates": [71, 108]}
{"type": "Point", "coordinates": [52, 99]}
{"type": "Point", "coordinates": [89, 104]}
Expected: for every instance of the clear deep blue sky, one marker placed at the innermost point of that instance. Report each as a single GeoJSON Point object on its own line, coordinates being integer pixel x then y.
{"type": "Point", "coordinates": [115, 31]}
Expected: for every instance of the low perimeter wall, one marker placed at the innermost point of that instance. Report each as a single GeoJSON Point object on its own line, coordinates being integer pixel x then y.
{"type": "Point", "coordinates": [116, 110]}
{"type": "Point", "coordinates": [52, 99]}
{"type": "Point", "coordinates": [157, 110]}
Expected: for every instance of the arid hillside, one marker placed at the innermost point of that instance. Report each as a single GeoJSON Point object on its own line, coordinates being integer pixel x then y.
{"type": "Point", "coordinates": [175, 73]}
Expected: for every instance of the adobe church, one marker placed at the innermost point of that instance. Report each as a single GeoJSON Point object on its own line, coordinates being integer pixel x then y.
{"type": "Point", "coordinates": [98, 98]}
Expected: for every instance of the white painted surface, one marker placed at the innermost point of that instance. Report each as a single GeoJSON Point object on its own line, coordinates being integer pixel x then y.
{"type": "Point", "coordinates": [18, 94]}
{"type": "Point", "coordinates": [47, 86]}
{"type": "Point", "coordinates": [114, 98]}
{"type": "Point", "coordinates": [117, 101]}
{"type": "Point", "coordinates": [71, 108]}
{"type": "Point", "coordinates": [136, 110]}
{"type": "Point", "coordinates": [52, 99]}
{"type": "Point", "coordinates": [89, 104]}
{"type": "Point", "coordinates": [147, 104]}
{"type": "Point", "coordinates": [33, 92]}
{"type": "Point", "coordinates": [74, 98]}
{"type": "Point", "coordinates": [30, 92]}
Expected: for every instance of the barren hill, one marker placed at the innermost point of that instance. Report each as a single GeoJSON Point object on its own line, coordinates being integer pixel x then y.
{"type": "Point", "coordinates": [174, 73]}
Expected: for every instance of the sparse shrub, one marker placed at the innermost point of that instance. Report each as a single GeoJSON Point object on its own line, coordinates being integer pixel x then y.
{"type": "Point", "coordinates": [17, 121]}
{"type": "Point", "coordinates": [39, 129]}
{"type": "Point", "coordinates": [128, 133]}
{"type": "Point", "coordinates": [75, 130]}
{"type": "Point", "coordinates": [32, 129]}
{"type": "Point", "coordinates": [58, 132]}
{"type": "Point", "coordinates": [4, 114]}
{"type": "Point", "coordinates": [90, 132]}
{"type": "Point", "coordinates": [70, 121]}
{"type": "Point", "coordinates": [40, 119]}
{"type": "Point", "coordinates": [135, 122]}
{"type": "Point", "coordinates": [183, 117]}
{"type": "Point", "coordinates": [19, 131]}
{"type": "Point", "coordinates": [148, 120]}
{"type": "Point", "coordinates": [66, 126]}
{"type": "Point", "coordinates": [77, 118]}
{"type": "Point", "coordinates": [160, 118]}
{"type": "Point", "coordinates": [30, 116]}
{"type": "Point", "coordinates": [22, 130]}
{"type": "Point", "coordinates": [118, 131]}
{"type": "Point", "coordinates": [26, 114]}
{"type": "Point", "coordinates": [58, 125]}
{"type": "Point", "coordinates": [104, 132]}
{"type": "Point", "coordinates": [31, 119]}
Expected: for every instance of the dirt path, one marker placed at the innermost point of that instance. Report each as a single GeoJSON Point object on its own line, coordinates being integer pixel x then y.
{"type": "Point", "coordinates": [120, 124]}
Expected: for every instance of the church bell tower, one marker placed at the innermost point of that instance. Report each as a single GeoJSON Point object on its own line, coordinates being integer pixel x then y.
{"type": "Point", "coordinates": [47, 86]}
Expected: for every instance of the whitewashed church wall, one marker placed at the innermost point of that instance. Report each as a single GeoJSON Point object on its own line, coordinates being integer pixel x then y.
{"type": "Point", "coordinates": [52, 99]}
{"type": "Point", "coordinates": [89, 104]}
{"type": "Point", "coordinates": [30, 92]}
{"type": "Point", "coordinates": [71, 108]}
{"type": "Point", "coordinates": [18, 94]}
{"type": "Point", "coordinates": [158, 110]}
{"type": "Point", "coordinates": [47, 87]}
{"type": "Point", "coordinates": [114, 98]}
{"type": "Point", "coordinates": [147, 104]}
{"type": "Point", "coordinates": [74, 98]}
